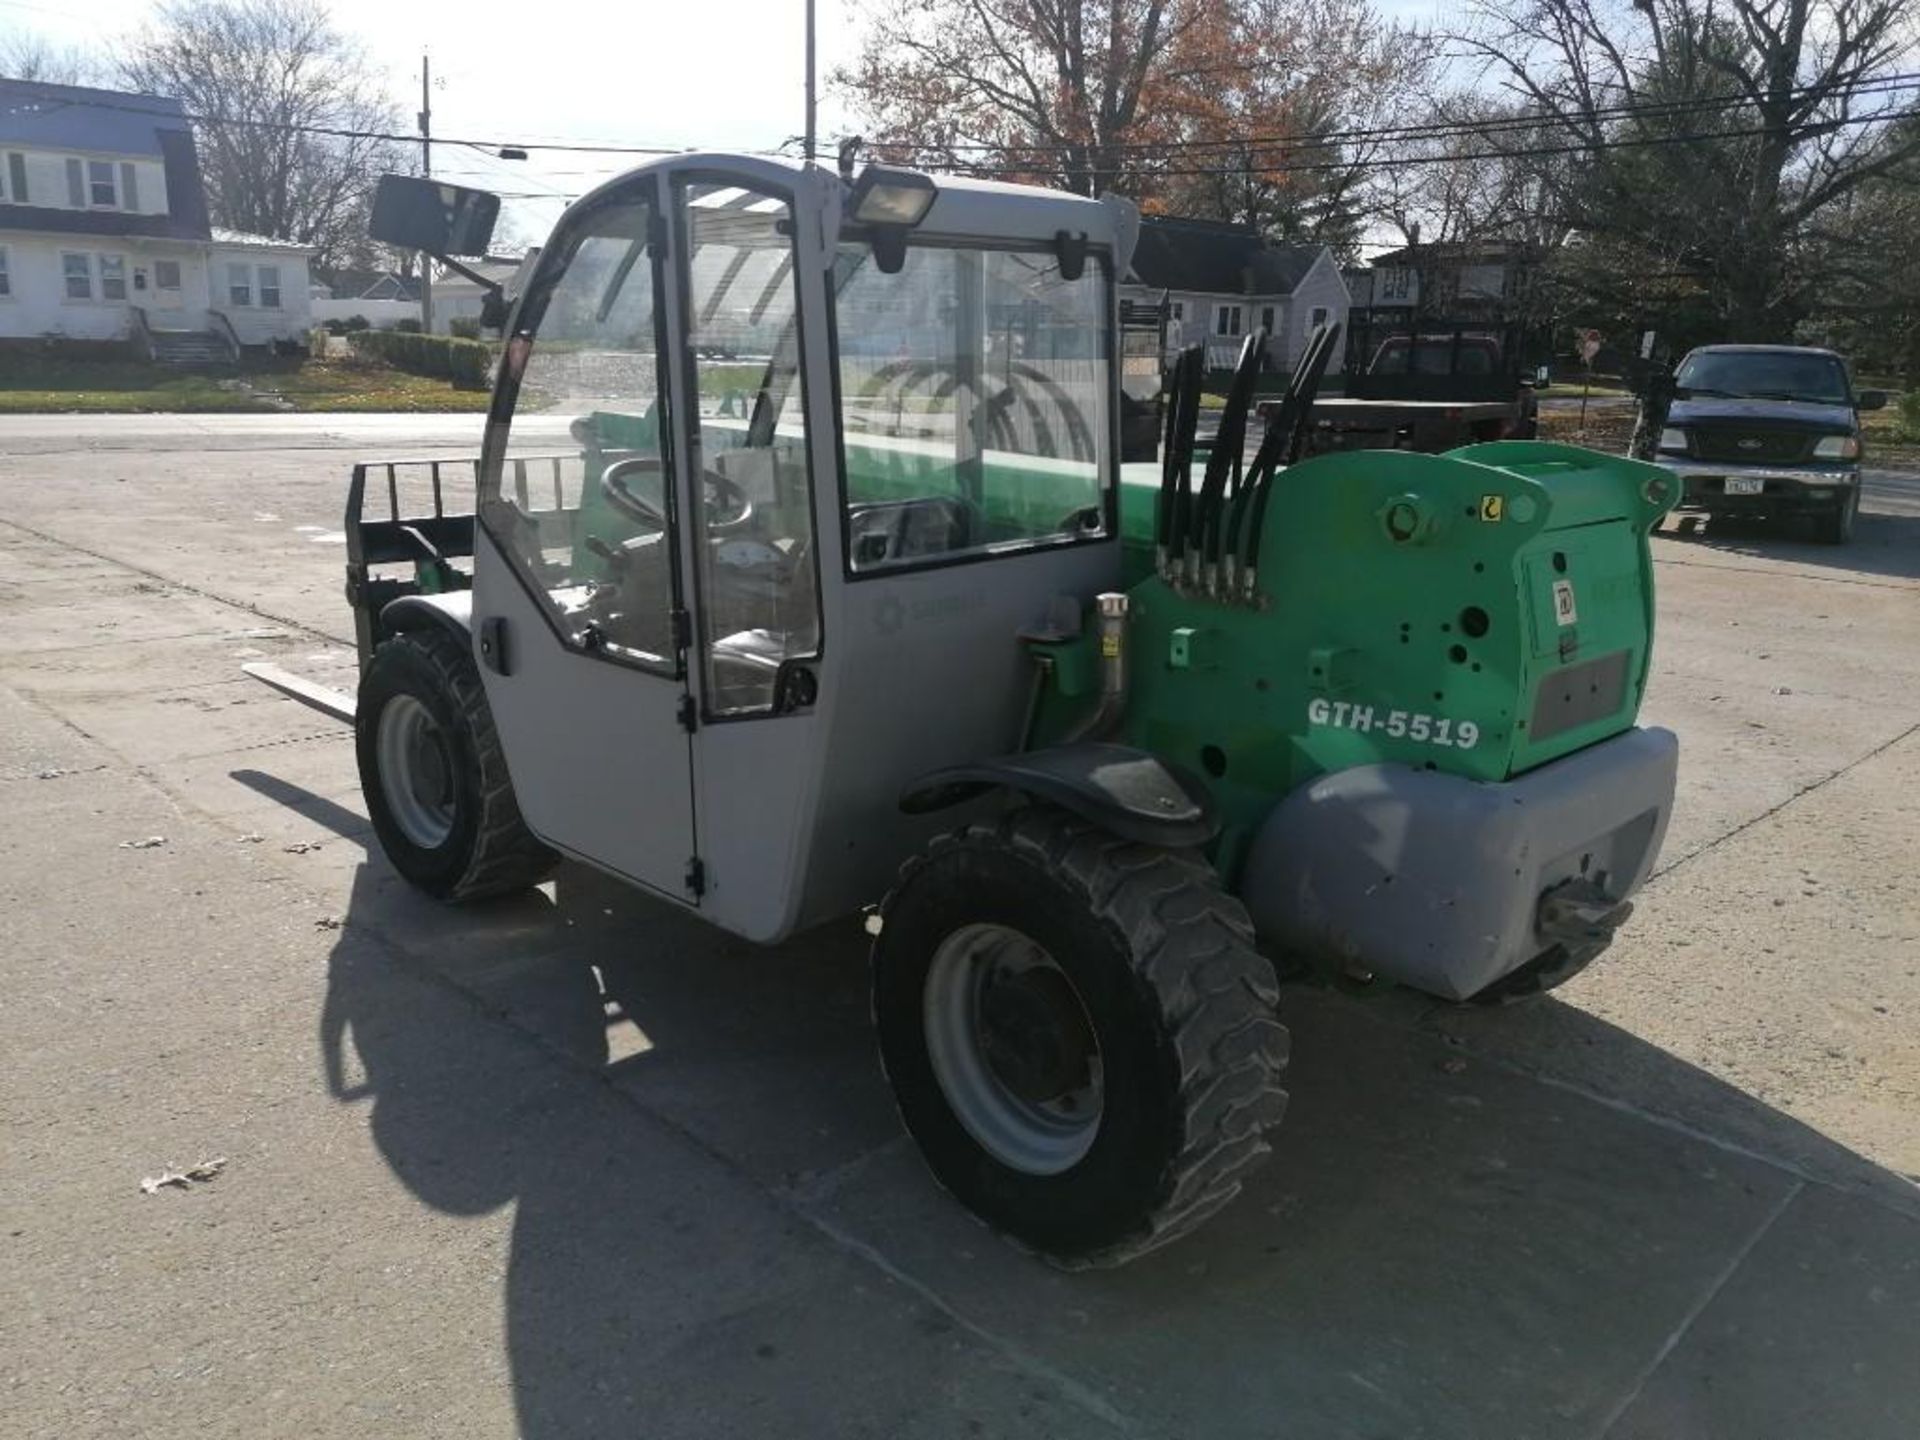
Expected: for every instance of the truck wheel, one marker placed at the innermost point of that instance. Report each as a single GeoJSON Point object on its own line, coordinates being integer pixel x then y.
{"type": "Point", "coordinates": [434, 776]}
{"type": "Point", "coordinates": [1078, 1032]}
{"type": "Point", "coordinates": [1835, 527]}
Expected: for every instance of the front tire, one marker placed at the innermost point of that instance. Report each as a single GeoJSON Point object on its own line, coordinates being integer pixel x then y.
{"type": "Point", "coordinates": [1078, 1032]}
{"type": "Point", "coordinates": [1836, 526]}
{"type": "Point", "coordinates": [434, 775]}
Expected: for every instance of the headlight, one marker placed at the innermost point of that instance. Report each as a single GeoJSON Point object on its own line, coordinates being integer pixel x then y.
{"type": "Point", "coordinates": [1837, 447]}
{"type": "Point", "coordinates": [1674, 439]}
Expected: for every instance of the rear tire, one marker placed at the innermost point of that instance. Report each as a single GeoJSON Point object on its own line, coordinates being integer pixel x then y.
{"type": "Point", "coordinates": [434, 775]}
{"type": "Point", "coordinates": [1109, 982]}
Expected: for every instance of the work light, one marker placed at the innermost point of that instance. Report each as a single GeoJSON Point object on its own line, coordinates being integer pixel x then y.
{"type": "Point", "coordinates": [884, 195]}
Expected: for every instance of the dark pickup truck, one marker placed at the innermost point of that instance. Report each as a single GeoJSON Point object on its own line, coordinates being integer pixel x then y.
{"type": "Point", "coordinates": [1768, 430]}
{"type": "Point", "coordinates": [1451, 384]}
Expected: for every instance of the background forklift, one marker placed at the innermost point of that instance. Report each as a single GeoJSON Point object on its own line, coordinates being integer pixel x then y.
{"type": "Point", "coordinates": [800, 572]}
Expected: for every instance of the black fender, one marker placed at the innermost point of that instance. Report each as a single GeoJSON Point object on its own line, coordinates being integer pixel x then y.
{"type": "Point", "coordinates": [1133, 793]}
{"type": "Point", "coordinates": [452, 610]}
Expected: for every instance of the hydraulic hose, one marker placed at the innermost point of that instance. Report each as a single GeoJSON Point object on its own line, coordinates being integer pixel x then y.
{"type": "Point", "coordinates": [1111, 621]}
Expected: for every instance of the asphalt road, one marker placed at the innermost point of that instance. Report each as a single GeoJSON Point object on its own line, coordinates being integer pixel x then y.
{"type": "Point", "coordinates": [574, 1165]}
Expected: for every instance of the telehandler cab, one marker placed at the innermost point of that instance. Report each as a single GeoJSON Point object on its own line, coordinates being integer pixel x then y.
{"type": "Point", "coordinates": [804, 574]}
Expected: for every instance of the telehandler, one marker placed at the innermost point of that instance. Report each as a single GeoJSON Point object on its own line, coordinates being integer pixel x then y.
{"type": "Point", "coordinates": [803, 575]}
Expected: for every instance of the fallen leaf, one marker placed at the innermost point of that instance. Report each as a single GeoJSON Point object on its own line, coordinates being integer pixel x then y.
{"type": "Point", "coordinates": [150, 843]}
{"type": "Point", "coordinates": [204, 1171]}
{"type": "Point", "coordinates": [326, 922]}
{"type": "Point", "coordinates": [301, 847]}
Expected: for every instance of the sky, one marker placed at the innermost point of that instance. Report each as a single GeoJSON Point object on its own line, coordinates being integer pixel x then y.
{"type": "Point", "coordinates": [708, 74]}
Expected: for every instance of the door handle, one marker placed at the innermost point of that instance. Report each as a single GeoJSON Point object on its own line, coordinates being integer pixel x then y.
{"type": "Point", "coordinates": [493, 645]}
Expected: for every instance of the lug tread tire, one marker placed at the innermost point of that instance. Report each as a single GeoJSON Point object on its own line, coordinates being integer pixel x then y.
{"type": "Point", "coordinates": [1191, 949]}
{"type": "Point", "coordinates": [503, 855]}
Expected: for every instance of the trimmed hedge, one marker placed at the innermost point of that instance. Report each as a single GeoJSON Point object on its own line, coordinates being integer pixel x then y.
{"type": "Point", "coordinates": [464, 362]}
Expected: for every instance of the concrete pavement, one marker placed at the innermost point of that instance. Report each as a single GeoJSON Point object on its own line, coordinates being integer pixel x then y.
{"type": "Point", "coordinates": [575, 1165]}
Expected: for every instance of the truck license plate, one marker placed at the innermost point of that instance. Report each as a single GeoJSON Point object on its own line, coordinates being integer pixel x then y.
{"type": "Point", "coordinates": [1738, 485]}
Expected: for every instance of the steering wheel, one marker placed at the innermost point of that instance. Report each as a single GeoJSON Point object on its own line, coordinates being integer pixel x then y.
{"type": "Point", "coordinates": [734, 508]}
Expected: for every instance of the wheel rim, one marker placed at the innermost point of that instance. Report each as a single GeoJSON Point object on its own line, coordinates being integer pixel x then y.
{"type": "Point", "coordinates": [416, 772]}
{"type": "Point", "coordinates": [1013, 1049]}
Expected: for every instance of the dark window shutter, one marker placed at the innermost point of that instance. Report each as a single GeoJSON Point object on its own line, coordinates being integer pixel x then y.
{"type": "Point", "coordinates": [17, 175]}
{"type": "Point", "coordinates": [76, 186]}
{"type": "Point", "coordinates": [129, 188]}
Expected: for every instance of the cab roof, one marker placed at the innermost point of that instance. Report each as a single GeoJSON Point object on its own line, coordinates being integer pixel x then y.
{"type": "Point", "coordinates": [964, 207]}
{"type": "Point", "coordinates": [1733, 349]}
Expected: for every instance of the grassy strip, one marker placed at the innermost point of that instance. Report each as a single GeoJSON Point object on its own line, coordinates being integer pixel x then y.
{"type": "Point", "coordinates": [95, 387]}
{"type": "Point", "coordinates": [1892, 441]}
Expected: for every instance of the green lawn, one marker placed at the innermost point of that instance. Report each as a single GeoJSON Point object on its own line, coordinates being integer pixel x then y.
{"type": "Point", "coordinates": [1571, 389]}
{"type": "Point", "coordinates": [31, 386]}
{"type": "Point", "coordinates": [1892, 440]}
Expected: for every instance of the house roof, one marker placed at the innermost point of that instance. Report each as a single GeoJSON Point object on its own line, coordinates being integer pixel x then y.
{"type": "Point", "coordinates": [79, 117]}
{"type": "Point", "coordinates": [496, 268]}
{"type": "Point", "coordinates": [374, 285]}
{"type": "Point", "coordinates": [239, 239]}
{"type": "Point", "coordinates": [1180, 253]}
{"type": "Point", "coordinates": [1457, 252]}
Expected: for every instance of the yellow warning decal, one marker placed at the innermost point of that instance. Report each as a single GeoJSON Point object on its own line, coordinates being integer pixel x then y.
{"type": "Point", "coordinates": [1493, 507]}
{"type": "Point", "coordinates": [1110, 647]}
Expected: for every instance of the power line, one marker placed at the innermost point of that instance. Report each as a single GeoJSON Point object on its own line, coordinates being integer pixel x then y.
{"type": "Point", "coordinates": [346, 132]}
{"type": "Point", "coordinates": [1531, 152]}
{"type": "Point", "coordinates": [1889, 84]}
{"type": "Point", "coordinates": [1878, 85]}
{"type": "Point", "coordinates": [1436, 130]}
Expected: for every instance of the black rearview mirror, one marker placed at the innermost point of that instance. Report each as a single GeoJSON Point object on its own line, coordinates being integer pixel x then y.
{"type": "Point", "coordinates": [419, 214]}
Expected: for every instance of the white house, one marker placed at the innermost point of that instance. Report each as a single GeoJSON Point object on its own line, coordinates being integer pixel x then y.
{"type": "Point", "coordinates": [1221, 281]}
{"type": "Point", "coordinates": [457, 297]}
{"type": "Point", "coordinates": [104, 233]}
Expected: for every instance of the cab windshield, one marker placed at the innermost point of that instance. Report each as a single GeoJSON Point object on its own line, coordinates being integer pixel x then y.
{"type": "Point", "coordinates": [1765, 375]}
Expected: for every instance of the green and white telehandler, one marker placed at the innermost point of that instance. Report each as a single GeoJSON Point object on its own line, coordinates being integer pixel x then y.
{"type": "Point", "coordinates": [803, 577]}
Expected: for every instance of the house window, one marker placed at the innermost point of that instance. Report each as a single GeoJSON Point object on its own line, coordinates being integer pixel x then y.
{"type": "Point", "coordinates": [1227, 319]}
{"type": "Point", "coordinates": [270, 286]}
{"type": "Point", "coordinates": [1266, 319]}
{"type": "Point", "coordinates": [166, 274]}
{"type": "Point", "coordinates": [1177, 311]}
{"type": "Point", "coordinates": [17, 178]}
{"type": "Point", "coordinates": [240, 284]}
{"type": "Point", "coordinates": [6, 276]}
{"type": "Point", "coordinates": [113, 277]}
{"type": "Point", "coordinates": [102, 188]}
{"type": "Point", "coordinates": [1393, 283]}
{"type": "Point", "coordinates": [1317, 318]}
{"type": "Point", "coordinates": [78, 271]}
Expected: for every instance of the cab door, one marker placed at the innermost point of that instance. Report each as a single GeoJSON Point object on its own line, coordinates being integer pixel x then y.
{"type": "Point", "coordinates": [579, 620]}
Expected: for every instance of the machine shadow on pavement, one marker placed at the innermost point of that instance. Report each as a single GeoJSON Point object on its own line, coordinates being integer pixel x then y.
{"type": "Point", "coordinates": [1422, 1212]}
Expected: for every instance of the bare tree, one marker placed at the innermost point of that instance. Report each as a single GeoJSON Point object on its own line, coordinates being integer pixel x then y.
{"type": "Point", "coordinates": [290, 115]}
{"type": "Point", "coordinates": [1712, 135]}
{"type": "Point", "coordinates": [1221, 108]}
{"type": "Point", "coordinates": [1280, 114]}
{"type": "Point", "coordinates": [1051, 89]}
{"type": "Point", "coordinates": [26, 56]}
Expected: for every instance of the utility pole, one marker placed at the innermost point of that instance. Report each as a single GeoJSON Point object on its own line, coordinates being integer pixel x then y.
{"type": "Point", "coordinates": [426, 169]}
{"type": "Point", "coordinates": [808, 151]}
